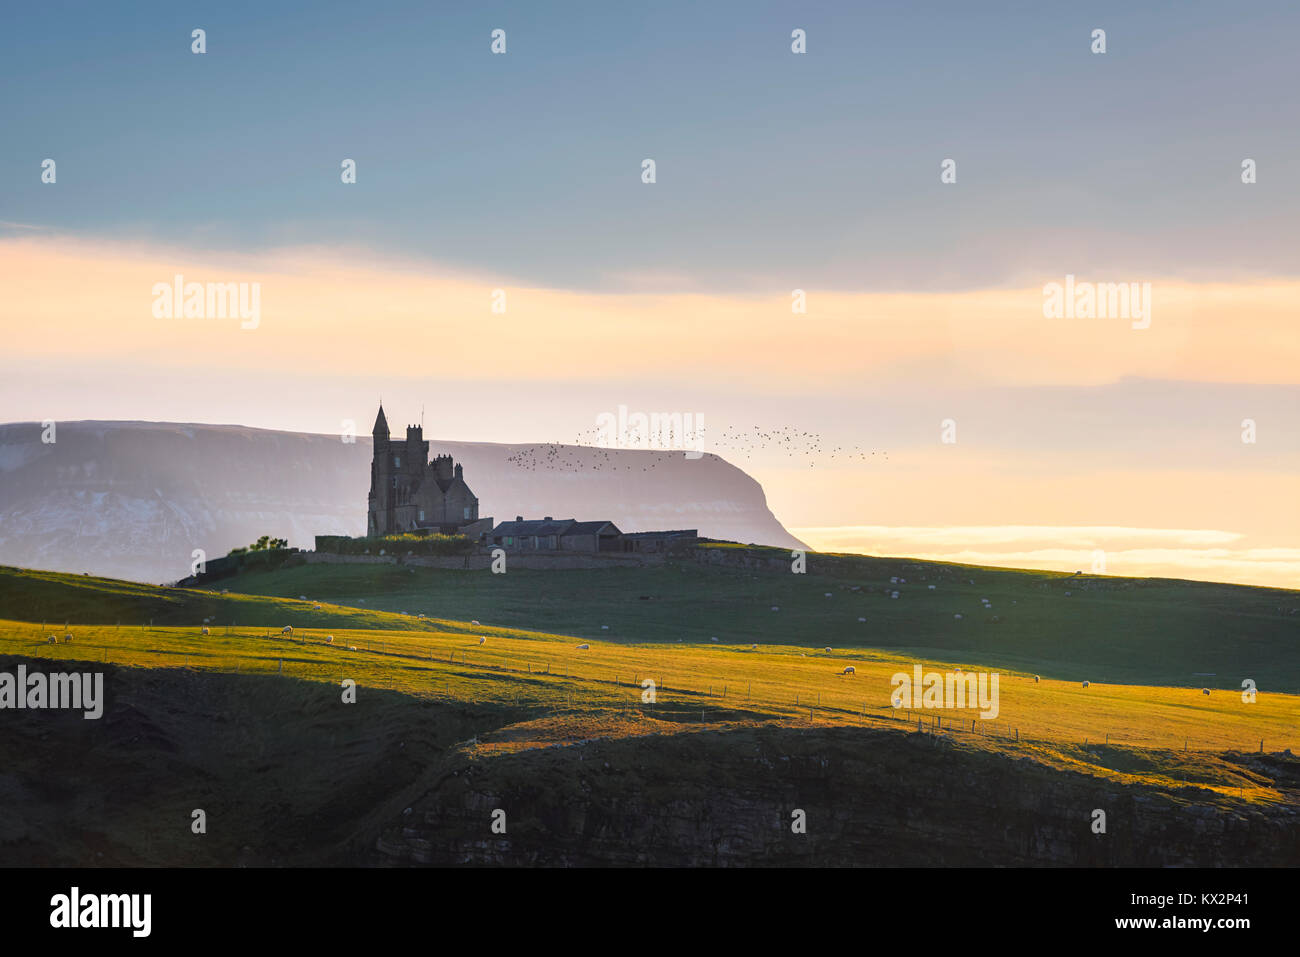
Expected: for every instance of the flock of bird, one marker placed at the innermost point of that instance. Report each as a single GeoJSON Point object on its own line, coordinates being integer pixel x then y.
{"type": "Point", "coordinates": [581, 456]}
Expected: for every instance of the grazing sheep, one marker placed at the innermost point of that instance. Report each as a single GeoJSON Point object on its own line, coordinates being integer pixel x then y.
{"type": "Point", "coordinates": [329, 639]}
{"type": "Point", "coordinates": [931, 587]}
{"type": "Point", "coordinates": [287, 630]}
{"type": "Point", "coordinates": [473, 622]}
{"type": "Point", "coordinates": [828, 649]}
{"type": "Point", "coordinates": [604, 627]}
{"type": "Point", "coordinates": [481, 639]}
{"type": "Point", "coordinates": [1036, 679]}
{"type": "Point", "coordinates": [67, 637]}
{"type": "Point", "coordinates": [753, 647]}
{"type": "Point", "coordinates": [893, 595]}
{"type": "Point", "coordinates": [302, 597]}
{"type": "Point", "coordinates": [584, 646]}
{"type": "Point", "coordinates": [713, 639]}
{"type": "Point", "coordinates": [352, 647]}
{"type": "Point", "coordinates": [957, 617]}
{"type": "Point", "coordinates": [775, 608]}
{"type": "Point", "coordinates": [1205, 691]}
{"type": "Point", "coordinates": [316, 607]}
{"type": "Point", "coordinates": [203, 630]}
{"type": "Point", "coordinates": [893, 580]}
{"type": "Point", "coordinates": [849, 670]}
{"type": "Point", "coordinates": [1067, 594]}
{"type": "Point", "coordinates": [862, 619]}
{"type": "Point", "coordinates": [52, 640]}
{"type": "Point", "coordinates": [1085, 684]}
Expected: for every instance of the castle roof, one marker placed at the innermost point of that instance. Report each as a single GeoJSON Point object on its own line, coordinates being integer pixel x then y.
{"type": "Point", "coordinates": [381, 423]}
{"type": "Point", "coordinates": [550, 526]}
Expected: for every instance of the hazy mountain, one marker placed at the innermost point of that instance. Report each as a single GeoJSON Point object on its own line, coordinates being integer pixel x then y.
{"type": "Point", "coordinates": [135, 499]}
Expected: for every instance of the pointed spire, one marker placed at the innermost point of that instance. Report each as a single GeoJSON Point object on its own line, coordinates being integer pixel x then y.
{"type": "Point", "coordinates": [381, 423]}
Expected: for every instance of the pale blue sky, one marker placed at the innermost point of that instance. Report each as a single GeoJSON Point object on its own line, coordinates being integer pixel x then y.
{"type": "Point", "coordinates": [774, 170]}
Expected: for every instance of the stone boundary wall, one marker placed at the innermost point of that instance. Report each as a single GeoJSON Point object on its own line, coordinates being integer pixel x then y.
{"type": "Point", "coordinates": [482, 561]}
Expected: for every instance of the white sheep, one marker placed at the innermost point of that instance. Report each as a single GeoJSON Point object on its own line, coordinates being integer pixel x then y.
{"type": "Point", "coordinates": [957, 617]}
{"type": "Point", "coordinates": [52, 640]}
{"type": "Point", "coordinates": [302, 597]}
{"type": "Point", "coordinates": [473, 622]}
{"type": "Point", "coordinates": [753, 647]}
{"type": "Point", "coordinates": [849, 670]}
{"type": "Point", "coordinates": [584, 646]}
{"type": "Point", "coordinates": [352, 647]}
{"type": "Point", "coordinates": [931, 587]}
{"type": "Point", "coordinates": [67, 638]}
{"type": "Point", "coordinates": [828, 649]}
{"type": "Point", "coordinates": [329, 639]}
{"type": "Point", "coordinates": [862, 619]}
{"type": "Point", "coordinates": [828, 594]}
{"type": "Point", "coordinates": [893, 594]}
{"type": "Point", "coordinates": [713, 640]}
{"type": "Point", "coordinates": [1085, 684]}
{"type": "Point", "coordinates": [316, 607]}
{"type": "Point", "coordinates": [481, 639]}
{"type": "Point", "coordinates": [1205, 691]}
{"type": "Point", "coordinates": [1036, 679]}
{"type": "Point", "coordinates": [604, 627]}
{"type": "Point", "coordinates": [775, 608]}
{"type": "Point", "coordinates": [287, 630]}
{"type": "Point", "coordinates": [203, 630]}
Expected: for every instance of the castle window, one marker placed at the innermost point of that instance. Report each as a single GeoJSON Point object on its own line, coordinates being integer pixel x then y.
{"type": "Point", "coordinates": [510, 540]}
{"type": "Point", "coordinates": [397, 461]}
{"type": "Point", "coordinates": [422, 515]}
{"type": "Point", "coordinates": [466, 513]}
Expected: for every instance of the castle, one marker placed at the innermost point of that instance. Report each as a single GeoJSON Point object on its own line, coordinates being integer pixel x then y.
{"type": "Point", "coordinates": [409, 493]}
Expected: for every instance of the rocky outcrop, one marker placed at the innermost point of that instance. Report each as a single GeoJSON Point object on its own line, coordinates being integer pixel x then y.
{"type": "Point", "coordinates": [878, 798]}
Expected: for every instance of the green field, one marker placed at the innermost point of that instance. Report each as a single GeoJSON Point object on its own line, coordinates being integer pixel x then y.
{"type": "Point", "coordinates": [519, 680]}
{"type": "Point", "coordinates": [1094, 628]}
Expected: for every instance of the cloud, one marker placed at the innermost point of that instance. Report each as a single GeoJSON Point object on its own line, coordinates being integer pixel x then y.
{"type": "Point", "coordinates": [347, 311]}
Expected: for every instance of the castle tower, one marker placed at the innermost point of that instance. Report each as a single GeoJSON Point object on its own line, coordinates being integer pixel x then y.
{"type": "Point", "coordinates": [380, 515]}
{"type": "Point", "coordinates": [408, 493]}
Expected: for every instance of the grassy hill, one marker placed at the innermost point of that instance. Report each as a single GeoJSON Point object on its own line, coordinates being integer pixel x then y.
{"type": "Point", "coordinates": [250, 724]}
{"type": "Point", "coordinates": [1096, 628]}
